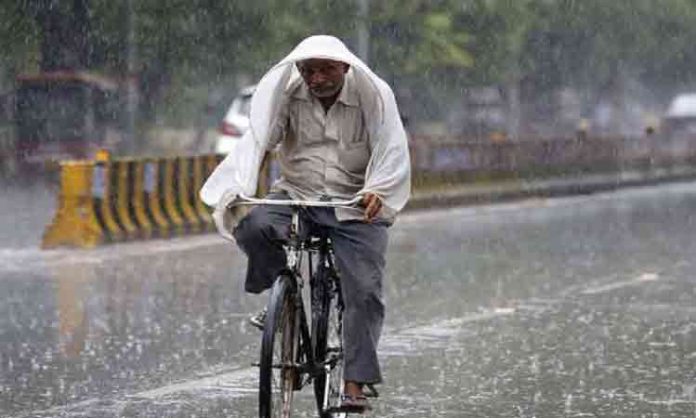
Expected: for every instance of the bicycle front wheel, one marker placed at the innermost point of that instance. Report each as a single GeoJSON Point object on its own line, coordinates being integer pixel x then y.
{"type": "Point", "coordinates": [328, 350]}
{"type": "Point", "coordinates": [278, 372]}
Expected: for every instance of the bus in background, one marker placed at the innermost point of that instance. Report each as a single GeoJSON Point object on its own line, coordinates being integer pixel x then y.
{"type": "Point", "coordinates": [64, 115]}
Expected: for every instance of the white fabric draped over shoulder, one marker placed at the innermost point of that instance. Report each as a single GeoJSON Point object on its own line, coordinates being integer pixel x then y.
{"type": "Point", "coordinates": [388, 172]}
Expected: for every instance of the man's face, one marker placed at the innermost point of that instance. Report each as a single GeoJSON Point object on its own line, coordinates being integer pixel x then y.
{"type": "Point", "coordinates": [323, 77]}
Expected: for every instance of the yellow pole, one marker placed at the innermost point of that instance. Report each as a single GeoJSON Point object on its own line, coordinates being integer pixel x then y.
{"type": "Point", "coordinates": [103, 192]}
{"type": "Point", "coordinates": [170, 197]}
{"type": "Point", "coordinates": [199, 176]}
{"type": "Point", "coordinates": [152, 181]}
{"type": "Point", "coordinates": [138, 198]}
{"type": "Point", "coordinates": [123, 187]}
{"type": "Point", "coordinates": [75, 223]}
{"type": "Point", "coordinates": [184, 190]}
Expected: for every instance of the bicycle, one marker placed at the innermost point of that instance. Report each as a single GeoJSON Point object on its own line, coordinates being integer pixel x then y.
{"type": "Point", "coordinates": [294, 355]}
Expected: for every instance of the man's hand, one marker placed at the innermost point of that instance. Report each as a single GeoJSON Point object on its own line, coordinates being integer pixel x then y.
{"type": "Point", "coordinates": [372, 204]}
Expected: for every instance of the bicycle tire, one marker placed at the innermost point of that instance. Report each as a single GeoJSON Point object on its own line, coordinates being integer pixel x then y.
{"type": "Point", "coordinates": [328, 348]}
{"type": "Point", "coordinates": [279, 346]}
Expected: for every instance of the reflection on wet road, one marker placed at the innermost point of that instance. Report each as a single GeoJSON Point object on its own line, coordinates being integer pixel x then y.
{"type": "Point", "coordinates": [580, 307]}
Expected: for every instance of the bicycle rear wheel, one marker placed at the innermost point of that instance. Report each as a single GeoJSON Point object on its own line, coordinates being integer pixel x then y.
{"type": "Point", "coordinates": [278, 371]}
{"type": "Point", "coordinates": [327, 324]}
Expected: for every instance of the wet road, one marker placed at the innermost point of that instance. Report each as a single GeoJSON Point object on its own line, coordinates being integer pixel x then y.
{"type": "Point", "coordinates": [577, 307]}
{"type": "Point", "coordinates": [26, 207]}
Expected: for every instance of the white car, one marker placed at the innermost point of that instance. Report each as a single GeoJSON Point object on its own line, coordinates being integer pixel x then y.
{"type": "Point", "coordinates": [680, 118]}
{"type": "Point", "coordinates": [235, 122]}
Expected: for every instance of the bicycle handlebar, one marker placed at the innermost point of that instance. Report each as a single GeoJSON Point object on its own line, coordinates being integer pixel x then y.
{"type": "Point", "coordinates": [246, 200]}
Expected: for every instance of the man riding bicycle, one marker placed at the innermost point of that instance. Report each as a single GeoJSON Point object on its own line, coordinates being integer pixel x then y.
{"type": "Point", "coordinates": [338, 134]}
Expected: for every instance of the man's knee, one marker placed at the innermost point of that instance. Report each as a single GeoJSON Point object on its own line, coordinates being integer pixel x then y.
{"type": "Point", "coordinates": [252, 227]}
{"type": "Point", "coordinates": [259, 228]}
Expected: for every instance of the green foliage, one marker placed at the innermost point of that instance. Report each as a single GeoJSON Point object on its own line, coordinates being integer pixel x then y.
{"type": "Point", "coordinates": [415, 37]}
{"type": "Point", "coordinates": [19, 42]}
{"type": "Point", "coordinates": [438, 46]}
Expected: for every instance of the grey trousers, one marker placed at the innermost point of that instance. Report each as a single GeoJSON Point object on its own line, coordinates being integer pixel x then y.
{"type": "Point", "coordinates": [359, 250]}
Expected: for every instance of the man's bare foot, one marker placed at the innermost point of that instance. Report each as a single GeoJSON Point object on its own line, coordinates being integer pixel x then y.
{"type": "Point", "coordinates": [353, 398]}
{"type": "Point", "coordinates": [353, 389]}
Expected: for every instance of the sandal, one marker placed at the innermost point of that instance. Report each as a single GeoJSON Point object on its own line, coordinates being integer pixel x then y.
{"type": "Point", "coordinates": [354, 404]}
{"type": "Point", "coordinates": [370, 391]}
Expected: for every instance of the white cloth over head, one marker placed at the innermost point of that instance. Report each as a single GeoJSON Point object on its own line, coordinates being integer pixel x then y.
{"type": "Point", "coordinates": [388, 172]}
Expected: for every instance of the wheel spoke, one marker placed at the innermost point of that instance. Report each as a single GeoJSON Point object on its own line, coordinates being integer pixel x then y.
{"type": "Point", "coordinates": [277, 371]}
{"type": "Point", "coordinates": [329, 351]}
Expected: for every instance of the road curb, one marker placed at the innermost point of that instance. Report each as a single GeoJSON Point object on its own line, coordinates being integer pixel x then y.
{"type": "Point", "coordinates": [505, 191]}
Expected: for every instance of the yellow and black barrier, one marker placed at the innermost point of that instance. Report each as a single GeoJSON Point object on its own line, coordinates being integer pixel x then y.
{"type": "Point", "coordinates": [111, 200]}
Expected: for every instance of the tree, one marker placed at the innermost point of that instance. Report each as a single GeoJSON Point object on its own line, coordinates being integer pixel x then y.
{"type": "Point", "coordinates": [19, 42]}
{"type": "Point", "coordinates": [429, 50]}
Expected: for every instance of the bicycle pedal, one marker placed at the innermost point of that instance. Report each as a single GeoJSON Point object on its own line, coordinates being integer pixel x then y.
{"type": "Point", "coordinates": [348, 410]}
{"type": "Point", "coordinates": [297, 382]}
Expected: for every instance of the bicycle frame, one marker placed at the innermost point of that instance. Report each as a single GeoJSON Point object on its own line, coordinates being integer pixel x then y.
{"type": "Point", "coordinates": [311, 356]}
{"type": "Point", "coordinates": [295, 250]}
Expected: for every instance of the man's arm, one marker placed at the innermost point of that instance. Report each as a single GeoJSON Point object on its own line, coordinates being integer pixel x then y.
{"type": "Point", "coordinates": [388, 174]}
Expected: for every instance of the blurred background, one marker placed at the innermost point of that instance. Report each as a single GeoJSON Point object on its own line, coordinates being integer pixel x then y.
{"type": "Point", "coordinates": [158, 76]}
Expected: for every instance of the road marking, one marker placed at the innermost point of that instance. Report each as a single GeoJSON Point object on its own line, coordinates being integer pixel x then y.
{"type": "Point", "coordinates": [236, 383]}
{"type": "Point", "coordinates": [410, 341]}
{"type": "Point", "coordinates": [242, 382]}
{"type": "Point", "coordinates": [643, 278]}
